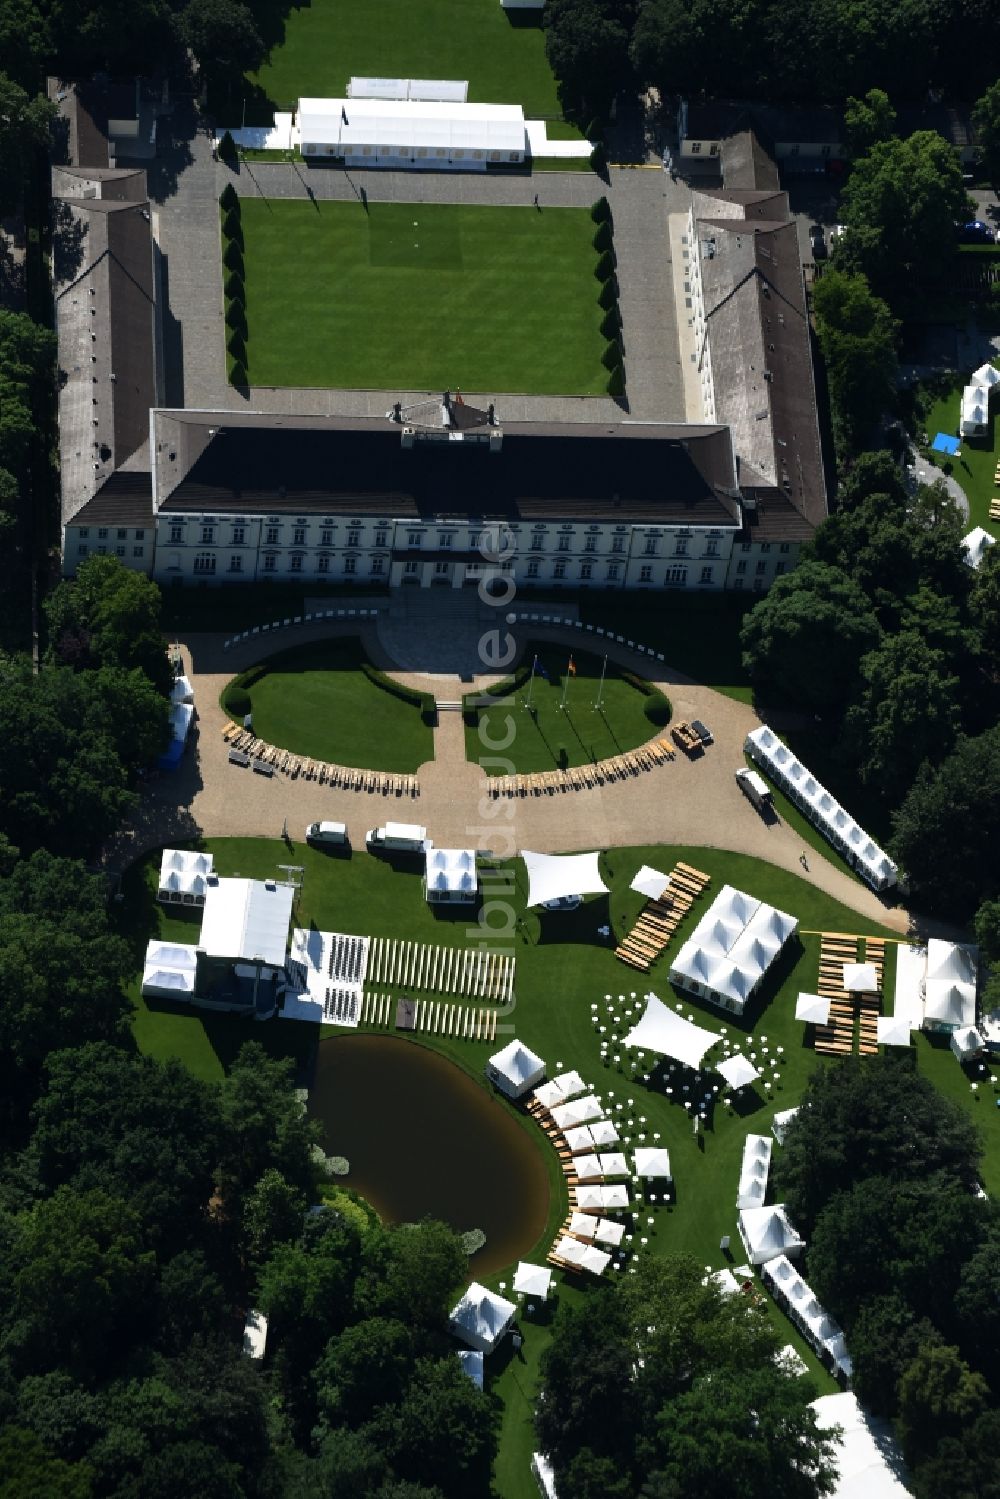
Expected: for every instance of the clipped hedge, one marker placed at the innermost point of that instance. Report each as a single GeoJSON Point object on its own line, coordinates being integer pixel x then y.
{"type": "Point", "coordinates": [229, 198]}
{"type": "Point", "coordinates": [608, 295]}
{"type": "Point", "coordinates": [232, 257]}
{"type": "Point", "coordinates": [601, 210]}
{"type": "Point", "coordinates": [233, 287]}
{"type": "Point", "coordinates": [657, 708]}
{"type": "Point", "coordinates": [237, 373]}
{"type": "Point", "coordinates": [424, 701]}
{"type": "Point", "coordinates": [602, 239]}
{"type": "Point", "coordinates": [612, 356]}
{"type": "Point", "coordinates": [232, 227]}
{"type": "Point", "coordinates": [236, 316]}
{"type": "Point", "coordinates": [616, 383]}
{"type": "Point", "coordinates": [236, 345]}
{"type": "Point", "coordinates": [598, 160]}
{"type": "Point", "coordinates": [610, 323]}
{"type": "Point", "coordinates": [605, 266]}
{"type": "Point", "coordinates": [227, 149]}
{"type": "Point", "coordinates": [236, 701]}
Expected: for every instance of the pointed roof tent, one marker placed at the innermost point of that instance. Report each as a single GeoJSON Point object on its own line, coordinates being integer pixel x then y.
{"type": "Point", "coordinates": [975, 544]}
{"type": "Point", "coordinates": [861, 978]}
{"type": "Point", "coordinates": [577, 1111]}
{"type": "Point", "coordinates": [731, 948]}
{"type": "Point", "coordinates": [967, 1043]}
{"type": "Point", "coordinates": [737, 1071]}
{"type": "Point", "coordinates": [472, 1365]}
{"type": "Point", "coordinates": [814, 1009]}
{"type": "Point", "coordinates": [515, 1069]}
{"type": "Point", "coordinates": [556, 876]}
{"type": "Point", "coordinates": [950, 983]}
{"type": "Point", "coordinates": [670, 1034]}
{"type": "Point", "coordinates": [767, 1232]}
{"type": "Point", "coordinates": [866, 1456]}
{"type": "Point", "coordinates": [567, 1085]}
{"type": "Point", "coordinates": [892, 1030]}
{"type": "Point", "coordinates": [532, 1280]}
{"type": "Point", "coordinates": [481, 1318]}
{"type": "Point", "coordinates": [652, 1163]}
{"type": "Point", "coordinates": [754, 1170]}
{"type": "Point", "coordinates": [780, 1123]}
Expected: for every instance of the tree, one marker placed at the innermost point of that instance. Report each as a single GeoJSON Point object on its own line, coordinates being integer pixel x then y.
{"type": "Point", "coordinates": [365, 1366]}
{"type": "Point", "coordinates": [901, 203]}
{"type": "Point", "coordinates": [27, 1471]}
{"type": "Point", "coordinates": [986, 120]}
{"type": "Point", "coordinates": [868, 121]}
{"type": "Point", "coordinates": [25, 123]}
{"type": "Point", "coordinates": [882, 45]}
{"type": "Point", "coordinates": [413, 1272]}
{"type": "Point", "coordinates": [857, 338]}
{"type": "Point", "coordinates": [109, 616]}
{"type": "Point", "coordinates": [885, 1338]}
{"type": "Point", "coordinates": [442, 1432]}
{"type": "Point", "coordinates": [964, 1466]}
{"type": "Point", "coordinates": [586, 42]}
{"type": "Point", "coordinates": [938, 1395]}
{"type": "Point", "coordinates": [272, 1214]}
{"type": "Point", "coordinates": [223, 36]}
{"type": "Point", "coordinates": [908, 713]}
{"type": "Point", "coordinates": [815, 614]}
{"type": "Point", "coordinates": [263, 1126]}
{"type": "Point", "coordinates": [985, 601]}
{"type": "Point", "coordinates": [869, 1118]}
{"type": "Point", "coordinates": [871, 473]}
{"type": "Point", "coordinates": [945, 833]}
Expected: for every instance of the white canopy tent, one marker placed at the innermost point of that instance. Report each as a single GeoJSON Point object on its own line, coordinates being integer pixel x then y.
{"type": "Point", "coordinates": [754, 1171]}
{"type": "Point", "coordinates": [481, 1318]}
{"type": "Point", "coordinates": [866, 1456]}
{"type": "Point", "coordinates": [780, 1123]}
{"type": "Point", "coordinates": [650, 882]}
{"type": "Point", "coordinates": [652, 1163]}
{"type": "Point", "coordinates": [515, 1069]}
{"type": "Point", "coordinates": [613, 1164]}
{"type": "Point", "coordinates": [814, 1009]}
{"type": "Point", "coordinates": [732, 947]}
{"type": "Point", "coordinates": [184, 876]}
{"type": "Point", "coordinates": [431, 133]}
{"type": "Point", "coordinates": [583, 1225]}
{"type": "Point", "coordinates": [560, 1089]}
{"type": "Point", "coordinates": [247, 919]}
{"type": "Point", "coordinates": [169, 971]}
{"type": "Point", "coordinates": [450, 875]}
{"type": "Point", "coordinates": [822, 809]}
{"type": "Point", "coordinates": [603, 1133]}
{"type": "Point", "coordinates": [472, 1364]}
{"type": "Point", "coordinates": [950, 985]}
{"type": "Point", "coordinates": [737, 1071]}
{"type": "Point", "coordinates": [583, 1256]}
{"type": "Point", "coordinates": [667, 1032]}
{"type": "Point", "coordinates": [975, 544]}
{"type": "Point", "coordinates": [556, 876]}
{"type": "Point", "coordinates": [601, 1198]}
{"type": "Point", "coordinates": [532, 1280]}
{"type": "Point", "coordinates": [766, 1232]}
{"type": "Point", "coordinates": [975, 417]}
{"type": "Point", "coordinates": [608, 1232]}
{"type": "Point", "coordinates": [588, 1168]}
{"type": "Point", "coordinates": [861, 978]}
{"type": "Point", "coordinates": [579, 1139]}
{"type": "Point", "coordinates": [799, 1301]}
{"type": "Point", "coordinates": [577, 1111]}
{"type": "Point", "coordinates": [181, 691]}
{"type": "Point", "coordinates": [967, 1043]}
{"type": "Point", "coordinates": [892, 1030]}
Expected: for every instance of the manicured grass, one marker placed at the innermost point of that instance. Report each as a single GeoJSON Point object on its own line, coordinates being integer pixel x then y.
{"type": "Point", "coordinates": [315, 700]}
{"type": "Point", "coordinates": [980, 455]}
{"type": "Point", "coordinates": [562, 164]}
{"type": "Point", "coordinates": [501, 54]}
{"type": "Point", "coordinates": [699, 634]}
{"type": "Point", "coordinates": [418, 296]}
{"type": "Point", "coordinates": [564, 966]}
{"type": "Point", "coordinates": [548, 735]}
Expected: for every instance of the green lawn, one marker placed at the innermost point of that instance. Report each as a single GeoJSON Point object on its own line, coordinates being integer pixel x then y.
{"type": "Point", "coordinates": [315, 700]}
{"type": "Point", "coordinates": [564, 966]}
{"type": "Point", "coordinates": [980, 455]}
{"type": "Point", "coordinates": [325, 44]}
{"type": "Point", "coordinates": [548, 735]}
{"type": "Point", "coordinates": [424, 296]}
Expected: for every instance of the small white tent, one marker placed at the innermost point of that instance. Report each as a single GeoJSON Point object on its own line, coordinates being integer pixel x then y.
{"type": "Point", "coordinates": [556, 876]}
{"type": "Point", "coordinates": [532, 1280]}
{"type": "Point", "coordinates": [814, 1009]}
{"type": "Point", "coordinates": [737, 1071]}
{"type": "Point", "coordinates": [650, 882]}
{"type": "Point", "coordinates": [861, 978]}
{"type": "Point", "coordinates": [892, 1030]}
{"type": "Point", "coordinates": [578, 1111]}
{"type": "Point", "coordinates": [652, 1163]}
{"type": "Point", "coordinates": [975, 544]}
{"type": "Point", "coordinates": [950, 985]}
{"type": "Point", "coordinates": [472, 1363]}
{"type": "Point", "coordinates": [967, 1043]}
{"type": "Point", "coordinates": [481, 1318]}
{"type": "Point", "coordinates": [515, 1069]}
{"type": "Point", "coordinates": [766, 1232]}
{"type": "Point", "coordinates": [780, 1123]}
{"type": "Point", "coordinates": [753, 1172]}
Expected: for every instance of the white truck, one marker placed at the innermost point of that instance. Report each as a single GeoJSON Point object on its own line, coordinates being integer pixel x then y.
{"type": "Point", "coordinates": [755, 788]}
{"type": "Point", "coordinates": [397, 837]}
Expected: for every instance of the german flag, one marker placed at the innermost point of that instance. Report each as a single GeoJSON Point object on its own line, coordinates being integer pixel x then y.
{"type": "Point", "coordinates": [571, 668]}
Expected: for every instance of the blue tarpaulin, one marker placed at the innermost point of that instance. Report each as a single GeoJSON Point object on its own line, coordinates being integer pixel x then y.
{"type": "Point", "coordinates": [945, 444]}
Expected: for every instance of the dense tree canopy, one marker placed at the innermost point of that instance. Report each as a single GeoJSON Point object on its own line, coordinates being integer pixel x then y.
{"type": "Point", "coordinates": [587, 46]}
{"type": "Point", "coordinates": [109, 615]}
{"type": "Point", "coordinates": [857, 338]}
{"type": "Point", "coordinates": [667, 1386]}
{"type": "Point", "coordinates": [986, 119]}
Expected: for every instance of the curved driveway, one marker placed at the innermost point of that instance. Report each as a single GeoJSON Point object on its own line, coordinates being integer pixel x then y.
{"type": "Point", "coordinates": [697, 802]}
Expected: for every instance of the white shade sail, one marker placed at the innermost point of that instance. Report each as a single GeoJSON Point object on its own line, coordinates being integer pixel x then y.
{"type": "Point", "coordinates": [652, 1163]}
{"type": "Point", "coordinates": [737, 1071]}
{"type": "Point", "coordinates": [555, 876]}
{"type": "Point", "coordinates": [814, 1009]}
{"type": "Point", "coordinates": [650, 882]}
{"type": "Point", "coordinates": [667, 1032]}
{"type": "Point", "coordinates": [892, 1030]}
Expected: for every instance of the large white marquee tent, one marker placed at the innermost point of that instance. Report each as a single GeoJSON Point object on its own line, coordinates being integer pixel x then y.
{"type": "Point", "coordinates": [730, 950]}
{"type": "Point", "coordinates": [556, 876]}
{"type": "Point", "coordinates": [950, 985]}
{"type": "Point", "coordinates": [482, 1317]}
{"type": "Point", "coordinates": [428, 133]}
{"type": "Point", "coordinates": [799, 1300]}
{"type": "Point", "coordinates": [754, 1171]}
{"type": "Point", "coordinates": [247, 919]}
{"type": "Point", "coordinates": [184, 877]}
{"type": "Point", "coordinates": [866, 1456]}
{"type": "Point", "coordinates": [871, 862]}
{"type": "Point", "coordinates": [670, 1034]}
{"type": "Point", "coordinates": [975, 417]}
{"type": "Point", "coordinates": [767, 1232]}
{"type": "Point", "coordinates": [515, 1069]}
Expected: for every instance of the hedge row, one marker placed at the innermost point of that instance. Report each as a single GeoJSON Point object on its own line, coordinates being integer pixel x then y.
{"type": "Point", "coordinates": [234, 286]}
{"type": "Point", "coordinates": [607, 298]}
{"type": "Point", "coordinates": [424, 701]}
{"type": "Point", "coordinates": [657, 707]}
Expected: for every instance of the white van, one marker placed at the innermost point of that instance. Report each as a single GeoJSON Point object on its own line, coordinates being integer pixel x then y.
{"type": "Point", "coordinates": [327, 832]}
{"type": "Point", "coordinates": [754, 788]}
{"type": "Point", "coordinates": [398, 837]}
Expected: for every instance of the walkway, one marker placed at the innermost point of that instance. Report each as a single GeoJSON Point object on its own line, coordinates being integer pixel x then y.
{"type": "Point", "coordinates": [696, 803]}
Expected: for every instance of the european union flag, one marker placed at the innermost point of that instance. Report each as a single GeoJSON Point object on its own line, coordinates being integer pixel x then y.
{"type": "Point", "coordinates": [540, 669]}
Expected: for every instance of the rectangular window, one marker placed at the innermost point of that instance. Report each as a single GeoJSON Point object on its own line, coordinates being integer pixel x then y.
{"type": "Point", "coordinates": [204, 562]}
{"type": "Point", "coordinates": [380, 538]}
{"type": "Point", "coordinates": [102, 533]}
{"type": "Point", "coordinates": [761, 568]}
{"type": "Point", "coordinates": [378, 564]}
{"type": "Point", "coordinates": [741, 568]}
{"type": "Point", "coordinates": [138, 551]}
{"type": "Point", "coordinates": [350, 564]}
{"type": "Point", "coordinates": [353, 538]}
{"type": "Point", "coordinates": [758, 585]}
{"type": "Point", "coordinates": [537, 543]}
{"type": "Point", "coordinates": [706, 575]}
{"type": "Point", "coordinates": [618, 545]}
{"type": "Point", "coordinates": [711, 549]}
{"type": "Point", "coordinates": [612, 571]}
{"type": "Point", "coordinates": [649, 550]}
{"type": "Point", "coordinates": [745, 547]}
{"type": "Point", "coordinates": [140, 535]}
{"type": "Point", "coordinates": [239, 536]}
{"type": "Point", "coordinates": [559, 571]}
{"type": "Point", "coordinates": [677, 575]}
{"type": "Point", "coordinates": [236, 564]}
{"type": "Point", "coordinates": [441, 568]}
{"type": "Point", "coordinates": [780, 568]}
{"type": "Point", "coordinates": [784, 547]}
{"type": "Point", "coordinates": [82, 549]}
{"type": "Point", "coordinates": [413, 538]}
{"type": "Point", "coordinates": [646, 574]}
{"type": "Point", "coordinates": [409, 568]}
{"type": "Point", "coordinates": [445, 539]}
{"type": "Point", "coordinates": [123, 534]}
{"type": "Point", "coordinates": [586, 570]}
{"type": "Point", "coordinates": [696, 148]}
{"type": "Point", "coordinates": [295, 562]}
{"type": "Point", "coordinates": [737, 582]}
{"type": "Point", "coordinates": [680, 546]}
{"type": "Point", "coordinates": [176, 533]}
{"type": "Point", "coordinates": [102, 551]}
{"type": "Point", "coordinates": [271, 536]}
{"type": "Point", "coordinates": [323, 564]}
{"type": "Point", "coordinates": [591, 545]}
{"type": "Point", "coordinates": [299, 536]}
{"type": "Point", "coordinates": [564, 543]}
{"type": "Point", "coordinates": [765, 546]}
{"type": "Point", "coordinates": [270, 563]}
{"type": "Point", "coordinates": [532, 569]}
{"type": "Point", "coordinates": [326, 538]}
{"type": "Point", "coordinates": [207, 535]}
{"type": "Point", "coordinates": [84, 532]}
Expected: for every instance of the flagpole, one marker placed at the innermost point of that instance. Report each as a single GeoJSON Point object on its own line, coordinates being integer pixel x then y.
{"type": "Point", "coordinates": [562, 705]}
{"type": "Point", "coordinates": [531, 682]}
{"type": "Point", "coordinates": [597, 705]}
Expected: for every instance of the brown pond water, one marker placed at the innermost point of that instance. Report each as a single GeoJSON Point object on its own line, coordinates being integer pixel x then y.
{"type": "Point", "coordinates": [425, 1140]}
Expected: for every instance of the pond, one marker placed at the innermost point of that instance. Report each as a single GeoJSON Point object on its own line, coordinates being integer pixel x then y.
{"type": "Point", "coordinates": [425, 1140]}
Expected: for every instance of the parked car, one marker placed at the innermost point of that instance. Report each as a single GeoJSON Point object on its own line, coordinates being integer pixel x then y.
{"type": "Point", "coordinates": [702, 730]}
{"type": "Point", "coordinates": [817, 240]}
{"type": "Point", "coordinates": [326, 832]}
{"type": "Point", "coordinates": [976, 233]}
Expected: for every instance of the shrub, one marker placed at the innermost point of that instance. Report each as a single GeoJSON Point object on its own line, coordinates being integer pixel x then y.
{"type": "Point", "coordinates": [602, 238]}
{"type": "Point", "coordinates": [562, 757]}
{"type": "Point", "coordinates": [236, 345]}
{"type": "Point", "coordinates": [595, 132]}
{"type": "Point", "coordinates": [424, 701]}
{"type": "Point", "coordinates": [611, 323]}
{"type": "Point", "coordinates": [232, 257]}
{"type": "Point", "coordinates": [470, 714]}
{"type": "Point", "coordinates": [232, 228]}
{"type": "Point", "coordinates": [598, 160]}
{"type": "Point", "coordinates": [605, 265]}
{"type": "Point", "coordinates": [657, 708]}
{"type": "Point", "coordinates": [612, 355]}
{"type": "Point", "coordinates": [608, 295]}
{"type": "Point", "coordinates": [227, 149]}
{"type": "Point", "coordinates": [238, 374]}
{"type": "Point", "coordinates": [233, 287]}
{"type": "Point", "coordinates": [253, 674]}
{"type": "Point", "coordinates": [236, 317]}
{"type": "Point", "coordinates": [229, 198]}
{"type": "Point", "coordinates": [600, 211]}
{"type": "Point", "coordinates": [616, 383]}
{"type": "Point", "coordinates": [236, 701]}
